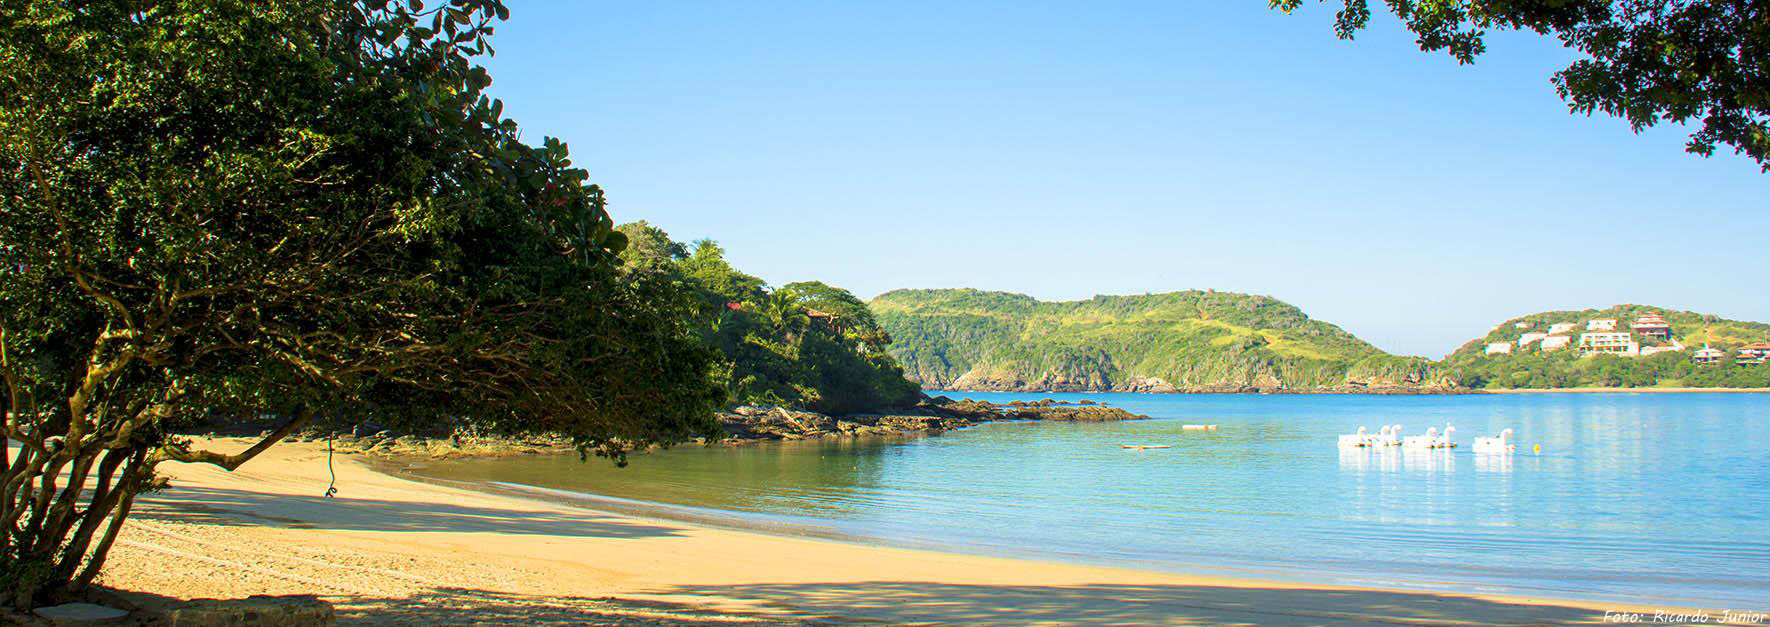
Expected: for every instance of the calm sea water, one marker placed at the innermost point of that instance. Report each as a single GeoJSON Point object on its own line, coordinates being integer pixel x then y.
{"type": "Point", "coordinates": [1638, 497]}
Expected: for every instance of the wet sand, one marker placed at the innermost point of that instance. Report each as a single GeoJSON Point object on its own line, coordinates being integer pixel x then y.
{"type": "Point", "coordinates": [387, 550]}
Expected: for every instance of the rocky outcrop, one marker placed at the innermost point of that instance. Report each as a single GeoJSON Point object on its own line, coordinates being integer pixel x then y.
{"type": "Point", "coordinates": [1056, 382]}
{"type": "Point", "coordinates": [757, 424]}
{"type": "Point", "coordinates": [1153, 385]}
{"type": "Point", "coordinates": [741, 425]}
{"type": "Point", "coordinates": [1350, 387]}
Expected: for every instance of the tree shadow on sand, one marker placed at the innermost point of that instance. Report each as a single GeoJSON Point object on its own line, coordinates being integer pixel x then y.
{"type": "Point", "coordinates": [923, 603]}
{"type": "Point", "coordinates": [457, 606]}
{"type": "Point", "coordinates": [897, 602]}
{"type": "Point", "coordinates": [234, 507]}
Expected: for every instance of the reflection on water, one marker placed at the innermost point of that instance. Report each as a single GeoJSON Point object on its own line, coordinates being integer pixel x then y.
{"type": "Point", "coordinates": [1638, 497]}
{"type": "Point", "coordinates": [1414, 460]}
{"type": "Point", "coordinates": [1493, 462]}
{"type": "Point", "coordinates": [1428, 460]}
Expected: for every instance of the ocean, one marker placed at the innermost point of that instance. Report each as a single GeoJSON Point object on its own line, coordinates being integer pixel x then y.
{"type": "Point", "coordinates": [1646, 498]}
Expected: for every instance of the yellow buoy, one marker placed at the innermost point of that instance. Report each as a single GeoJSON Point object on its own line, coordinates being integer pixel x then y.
{"type": "Point", "coordinates": [1538, 448]}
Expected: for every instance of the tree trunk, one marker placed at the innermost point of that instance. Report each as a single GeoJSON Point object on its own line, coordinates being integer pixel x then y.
{"type": "Point", "coordinates": [52, 554]}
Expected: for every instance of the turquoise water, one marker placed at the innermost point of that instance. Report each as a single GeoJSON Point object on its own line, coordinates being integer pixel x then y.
{"type": "Point", "coordinates": [1638, 497]}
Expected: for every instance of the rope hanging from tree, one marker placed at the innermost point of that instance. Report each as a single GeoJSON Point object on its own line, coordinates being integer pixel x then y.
{"type": "Point", "coordinates": [331, 488]}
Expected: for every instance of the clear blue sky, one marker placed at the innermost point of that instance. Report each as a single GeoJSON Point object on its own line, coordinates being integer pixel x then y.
{"type": "Point", "coordinates": [1066, 149]}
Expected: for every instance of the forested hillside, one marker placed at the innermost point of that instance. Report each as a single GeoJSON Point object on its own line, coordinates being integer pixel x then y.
{"type": "Point", "coordinates": [805, 345]}
{"type": "Point", "coordinates": [1181, 341]}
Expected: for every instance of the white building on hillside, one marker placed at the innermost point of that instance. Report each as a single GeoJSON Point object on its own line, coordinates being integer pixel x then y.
{"type": "Point", "coordinates": [1601, 324]}
{"type": "Point", "coordinates": [1556, 342]}
{"type": "Point", "coordinates": [1611, 343]}
{"type": "Point", "coordinates": [1707, 356]}
{"type": "Point", "coordinates": [1522, 325]}
{"type": "Point", "coordinates": [1499, 347]}
{"type": "Point", "coordinates": [1528, 338]}
{"type": "Point", "coordinates": [1561, 327]}
{"type": "Point", "coordinates": [1651, 324]}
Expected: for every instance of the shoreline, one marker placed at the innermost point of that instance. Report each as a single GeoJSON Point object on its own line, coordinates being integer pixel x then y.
{"type": "Point", "coordinates": [806, 527]}
{"type": "Point", "coordinates": [392, 550]}
{"type": "Point", "coordinates": [1337, 392]}
{"type": "Point", "coordinates": [1672, 390]}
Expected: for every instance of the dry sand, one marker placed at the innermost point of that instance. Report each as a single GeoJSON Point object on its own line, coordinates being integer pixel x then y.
{"type": "Point", "coordinates": [391, 551]}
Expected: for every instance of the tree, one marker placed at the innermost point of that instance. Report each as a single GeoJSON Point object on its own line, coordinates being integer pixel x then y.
{"type": "Point", "coordinates": [1646, 61]}
{"type": "Point", "coordinates": [649, 247]}
{"type": "Point", "coordinates": [773, 350]}
{"type": "Point", "coordinates": [707, 265]}
{"type": "Point", "coordinates": [852, 316]}
{"type": "Point", "coordinates": [222, 209]}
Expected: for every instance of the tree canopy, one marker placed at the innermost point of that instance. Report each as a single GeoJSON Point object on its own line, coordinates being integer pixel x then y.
{"type": "Point", "coordinates": [1646, 61]}
{"type": "Point", "coordinates": [225, 208]}
{"type": "Point", "coordinates": [649, 246]}
{"type": "Point", "coordinates": [806, 344]}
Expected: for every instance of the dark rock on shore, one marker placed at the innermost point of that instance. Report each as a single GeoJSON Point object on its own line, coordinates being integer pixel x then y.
{"type": "Point", "coordinates": [1084, 413]}
{"type": "Point", "coordinates": [1157, 386]}
{"type": "Point", "coordinates": [741, 425]}
{"type": "Point", "coordinates": [931, 416]}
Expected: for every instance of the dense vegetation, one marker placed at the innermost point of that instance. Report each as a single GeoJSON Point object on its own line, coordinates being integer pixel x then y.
{"type": "Point", "coordinates": [306, 210]}
{"type": "Point", "coordinates": [1195, 340]}
{"type": "Point", "coordinates": [806, 345]}
{"type": "Point", "coordinates": [1531, 367]}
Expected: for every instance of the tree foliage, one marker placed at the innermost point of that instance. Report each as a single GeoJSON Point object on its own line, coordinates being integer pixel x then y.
{"type": "Point", "coordinates": [776, 351]}
{"type": "Point", "coordinates": [1645, 61]}
{"type": "Point", "coordinates": [223, 208]}
{"type": "Point", "coordinates": [649, 246]}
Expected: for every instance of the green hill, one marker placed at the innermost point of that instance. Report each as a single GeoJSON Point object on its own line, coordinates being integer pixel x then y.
{"type": "Point", "coordinates": [1532, 367]}
{"type": "Point", "coordinates": [1181, 341]}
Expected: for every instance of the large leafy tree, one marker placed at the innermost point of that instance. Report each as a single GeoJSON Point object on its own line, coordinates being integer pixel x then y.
{"type": "Point", "coordinates": [849, 315]}
{"type": "Point", "coordinates": [649, 247]}
{"type": "Point", "coordinates": [1646, 61]}
{"type": "Point", "coordinates": [225, 208]}
{"type": "Point", "coordinates": [807, 344]}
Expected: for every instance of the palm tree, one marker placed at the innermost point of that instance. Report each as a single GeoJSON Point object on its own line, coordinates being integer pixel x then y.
{"type": "Point", "coordinates": [782, 309]}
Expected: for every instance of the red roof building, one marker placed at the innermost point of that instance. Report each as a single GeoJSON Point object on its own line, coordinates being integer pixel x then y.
{"type": "Point", "coordinates": [1651, 324]}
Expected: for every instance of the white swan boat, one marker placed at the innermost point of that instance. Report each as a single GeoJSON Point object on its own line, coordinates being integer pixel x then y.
{"type": "Point", "coordinates": [1501, 443]}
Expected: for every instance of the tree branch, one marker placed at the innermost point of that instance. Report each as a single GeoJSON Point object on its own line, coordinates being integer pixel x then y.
{"type": "Point", "coordinates": [231, 462]}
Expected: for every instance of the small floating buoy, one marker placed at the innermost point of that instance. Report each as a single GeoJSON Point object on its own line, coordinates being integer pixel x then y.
{"type": "Point", "coordinates": [1198, 427]}
{"type": "Point", "coordinates": [1536, 448]}
{"type": "Point", "coordinates": [1144, 446]}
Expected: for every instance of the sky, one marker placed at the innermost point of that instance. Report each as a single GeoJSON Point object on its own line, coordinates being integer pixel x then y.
{"type": "Point", "coordinates": [1067, 149]}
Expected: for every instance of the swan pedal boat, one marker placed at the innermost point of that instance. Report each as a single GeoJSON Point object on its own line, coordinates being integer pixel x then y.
{"type": "Point", "coordinates": [1501, 443]}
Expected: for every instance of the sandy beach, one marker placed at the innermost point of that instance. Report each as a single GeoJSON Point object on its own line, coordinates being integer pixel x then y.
{"type": "Point", "coordinates": [387, 550]}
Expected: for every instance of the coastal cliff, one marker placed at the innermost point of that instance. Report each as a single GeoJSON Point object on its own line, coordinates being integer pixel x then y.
{"type": "Point", "coordinates": [1193, 341]}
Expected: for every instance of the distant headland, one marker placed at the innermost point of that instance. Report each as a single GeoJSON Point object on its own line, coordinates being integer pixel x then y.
{"type": "Point", "coordinates": [1205, 341]}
